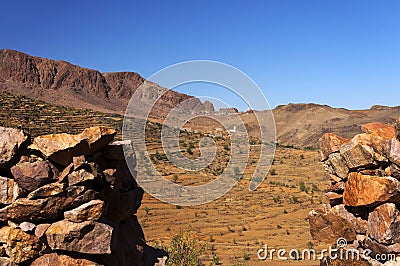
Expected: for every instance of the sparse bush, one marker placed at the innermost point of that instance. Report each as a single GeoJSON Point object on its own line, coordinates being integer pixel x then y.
{"type": "Point", "coordinates": [315, 188]}
{"type": "Point", "coordinates": [184, 250]}
{"type": "Point", "coordinates": [303, 187]}
{"type": "Point", "coordinates": [215, 260]}
{"type": "Point", "coordinates": [147, 210]}
{"type": "Point", "coordinates": [295, 199]}
{"type": "Point", "coordinates": [273, 171]}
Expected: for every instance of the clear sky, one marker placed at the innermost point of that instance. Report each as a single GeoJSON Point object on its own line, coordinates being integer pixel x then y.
{"type": "Point", "coordinates": [344, 53]}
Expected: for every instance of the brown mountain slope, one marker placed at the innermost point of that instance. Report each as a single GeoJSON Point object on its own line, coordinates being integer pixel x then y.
{"type": "Point", "coordinates": [63, 83]}
{"type": "Point", "coordinates": [301, 125]}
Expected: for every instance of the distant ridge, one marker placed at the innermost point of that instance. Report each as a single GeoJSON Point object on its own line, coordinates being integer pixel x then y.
{"type": "Point", "coordinates": [60, 82]}
{"type": "Point", "coordinates": [301, 125]}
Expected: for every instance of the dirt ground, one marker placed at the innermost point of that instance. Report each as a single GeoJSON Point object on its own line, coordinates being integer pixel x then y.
{"type": "Point", "coordinates": [241, 222]}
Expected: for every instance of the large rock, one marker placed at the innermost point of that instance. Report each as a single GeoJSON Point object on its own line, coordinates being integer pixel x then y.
{"type": "Point", "coordinates": [330, 143]}
{"type": "Point", "coordinates": [20, 246]}
{"type": "Point", "coordinates": [9, 190]}
{"type": "Point", "coordinates": [52, 189]}
{"type": "Point", "coordinates": [5, 261]}
{"type": "Point", "coordinates": [61, 260]}
{"type": "Point", "coordinates": [357, 155]}
{"type": "Point", "coordinates": [360, 225]}
{"type": "Point", "coordinates": [365, 190]}
{"type": "Point", "coordinates": [384, 131]}
{"type": "Point", "coordinates": [61, 148]}
{"type": "Point", "coordinates": [11, 142]}
{"type": "Point", "coordinates": [32, 210]}
{"type": "Point", "coordinates": [397, 129]}
{"type": "Point", "coordinates": [384, 224]}
{"type": "Point", "coordinates": [336, 165]}
{"type": "Point", "coordinates": [30, 176]}
{"type": "Point", "coordinates": [87, 237]}
{"type": "Point", "coordinates": [393, 151]}
{"type": "Point", "coordinates": [90, 211]}
{"type": "Point", "coordinates": [327, 225]}
{"type": "Point", "coordinates": [77, 195]}
{"type": "Point", "coordinates": [43, 209]}
{"type": "Point", "coordinates": [395, 171]}
{"type": "Point", "coordinates": [378, 248]}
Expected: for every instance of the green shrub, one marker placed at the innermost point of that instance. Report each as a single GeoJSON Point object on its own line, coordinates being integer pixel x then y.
{"type": "Point", "coordinates": [184, 250]}
{"type": "Point", "coordinates": [303, 187]}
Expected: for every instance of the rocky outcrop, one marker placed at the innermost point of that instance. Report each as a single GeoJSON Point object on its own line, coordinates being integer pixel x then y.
{"type": "Point", "coordinates": [364, 193]}
{"type": "Point", "coordinates": [64, 83]}
{"type": "Point", "coordinates": [70, 200]}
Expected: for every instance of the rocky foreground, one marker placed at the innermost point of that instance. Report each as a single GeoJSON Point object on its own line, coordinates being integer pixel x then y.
{"type": "Point", "coordinates": [70, 200]}
{"type": "Point", "coordinates": [364, 194]}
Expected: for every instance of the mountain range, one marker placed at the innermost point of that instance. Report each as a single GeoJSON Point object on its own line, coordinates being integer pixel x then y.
{"type": "Point", "coordinates": [63, 83]}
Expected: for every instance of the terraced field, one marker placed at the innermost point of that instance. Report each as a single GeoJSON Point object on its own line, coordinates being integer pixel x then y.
{"type": "Point", "coordinates": [232, 228]}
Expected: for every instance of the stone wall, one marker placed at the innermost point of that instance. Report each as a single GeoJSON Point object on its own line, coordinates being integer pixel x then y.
{"type": "Point", "coordinates": [70, 200]}
{"type": "Point", "coordinates": [364, 192]}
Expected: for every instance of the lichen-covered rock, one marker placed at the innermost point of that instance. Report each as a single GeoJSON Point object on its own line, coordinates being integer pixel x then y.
{"type": "Point", "coordinates": [11, 142]}
{"type": "Point", "coordinates": [37, 210]}
{"type": "Point", "coordinates": [88, 172]}
{"type": "Point", "coordinates": [365, 190]}
{"type": "Point", "coordinates": [397, 128]}
{"type": "Point", "coordinates": [336, 165]}
{"type": "Point", "coordinates": [327, 225]}
{"type": "Point", "coordinates": [330, 143]}
{"type": "Point", "coordinates": [61, 148]}
{"type": "Point", "coordinates": [61, 260]}
{"type": "Point", "coordinates": [357, 155]}
{"type": "Point", "coordinates": [9, 190]}
{"type": "Point", "coordinates": [20, 246]}
{"type": "Point", "coordinates": [5, 261]}
{"type": "Point", "coordinates": [384, 224]}
{"type": "Point", "coordinates": [393, 151]}
{"type": "Point", "coordinates": [90, 211]}
{"type": "Point", "coordinates": [384, 131]}
{"type": "Point", "coordinates": [52, 189]}
{"type": "Point", "coordinates": [88, 237]}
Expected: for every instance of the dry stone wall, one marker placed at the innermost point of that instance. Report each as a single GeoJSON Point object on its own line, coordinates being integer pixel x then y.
{"type": "Point", "coordinates": [364, 193]}
{"type": "Point", "coordinates": [70, 200]}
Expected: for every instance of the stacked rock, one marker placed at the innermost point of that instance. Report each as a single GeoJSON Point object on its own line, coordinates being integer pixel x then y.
{"type": "Point", "coordinates": [364, 192]}
{"type": "Point", "coordinates": [70, 200]}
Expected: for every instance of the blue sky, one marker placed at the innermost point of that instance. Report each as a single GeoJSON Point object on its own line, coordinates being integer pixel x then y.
{"type": "Point", "coordinates": [344, 53]}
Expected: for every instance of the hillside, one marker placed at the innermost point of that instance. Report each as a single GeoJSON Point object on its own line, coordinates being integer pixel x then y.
{"type": "Point", "coordinates": [302, 125]}
{"type": "Point", "coordinates": [60, 82]}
